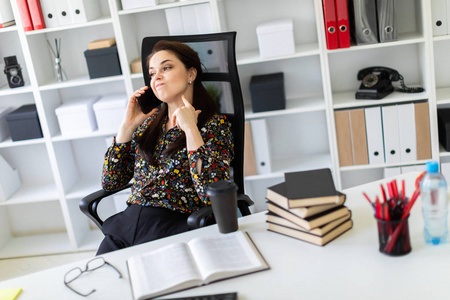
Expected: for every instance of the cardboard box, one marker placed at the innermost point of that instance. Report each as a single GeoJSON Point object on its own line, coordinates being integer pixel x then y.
{"type": "Point", "coordinates": [267, 92]}
{"type": "Point", "coordinates": [131, 4]}
{"type": "Point", "coordinates": [4, 130]}
{"type": "Point", "coordinates": [110, 111]}
{"type": "Point", "coordinates": [24, 123]}
{"type": "Point", "coordinates": [276, 38]}
{"type": "Point", "coordinates": [136, 65]}
{"type": "Point", "coordinates": [104, 43]}
{"type": "Point", "coordinates": [103, 62]}
{"type": "Point", "coordinates": [77, 117]}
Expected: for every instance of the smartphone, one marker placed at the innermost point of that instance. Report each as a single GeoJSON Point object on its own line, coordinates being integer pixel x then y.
{"type": "Point", "coordinates": [148, 101]}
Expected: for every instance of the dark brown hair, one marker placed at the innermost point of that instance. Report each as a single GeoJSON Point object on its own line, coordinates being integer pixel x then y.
{"type": "Point", "coordinates": [201, 101]}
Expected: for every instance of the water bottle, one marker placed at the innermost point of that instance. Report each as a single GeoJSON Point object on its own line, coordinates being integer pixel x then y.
{"type": "Point", "coordinates": [433, 189]}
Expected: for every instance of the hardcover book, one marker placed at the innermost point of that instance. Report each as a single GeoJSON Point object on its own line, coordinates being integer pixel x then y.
{"type": "Point", "coordinates": [198, 262]}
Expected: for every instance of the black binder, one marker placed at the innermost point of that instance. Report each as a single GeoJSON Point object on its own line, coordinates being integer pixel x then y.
{"type": "Point", "coordinates": [363, 21]}
{"type": "Point", "coordinates": [387, 21]}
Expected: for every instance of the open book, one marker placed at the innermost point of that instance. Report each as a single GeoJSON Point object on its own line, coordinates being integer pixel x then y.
{"type": "Point", "coordinates": [200, 261]}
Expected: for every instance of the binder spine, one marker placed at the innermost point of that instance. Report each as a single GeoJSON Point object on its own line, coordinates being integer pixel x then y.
{"type": "Point", "coordinates": [342, 23]}
{"type": "Point", "coordinates": [387, 25]}
{"type": "Point", "coordinates": [331, 32]}
{"type": "Point", "coordinates": [363, 21]}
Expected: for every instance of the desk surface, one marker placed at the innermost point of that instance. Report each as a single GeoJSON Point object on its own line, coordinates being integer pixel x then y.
{"type": "Point", "coordinates": [350, 267]}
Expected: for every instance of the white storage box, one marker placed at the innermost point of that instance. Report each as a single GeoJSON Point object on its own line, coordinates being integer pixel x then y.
{"type": "Point", "coordinates": [4, 129]}
{"type": "Point", "coordinates": [77, 117]}
{"type": "Point", "coordinates": [110, 111]}
{"type": "Point", "coordinates": [276, 38]}
{"type": "Point", "coordinates": [9, 180]}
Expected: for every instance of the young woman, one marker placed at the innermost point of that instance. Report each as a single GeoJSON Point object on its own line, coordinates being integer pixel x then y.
{"type": "Point", "coordinates": [172, 154]}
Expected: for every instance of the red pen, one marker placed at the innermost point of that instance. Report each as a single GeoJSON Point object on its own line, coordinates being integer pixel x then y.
{"type": "Point", "coordinates": [383, 193]}
{"type": "Point", "coordinates": [395, 189]}
{"type": "Point", "coordinates": [403, 190]}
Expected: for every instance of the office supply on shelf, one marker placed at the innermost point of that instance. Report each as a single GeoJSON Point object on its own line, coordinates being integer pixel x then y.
{"type": "Point", "coordinates": [77, 116]}
{"type": "Point", "coordinates": [359, 137]}
{"type": "Point", "coordinates": [376, 82]}
{"type": "Point", "coordinates": [267, 92]}
{"type": "Point", "coordinates": [311, 187]}
{"type": "Point", "coordinates": [225, 296]}
{"type": "Point", "coordinates": [374, 131]}
{"type": "Point", "coordinates": [439, 17]}
{"type": "Point", "coordinates": [261, 145]}
{"type": "Point", "coordinates": [407, 132]}
{"type": "Point", "coordinates": [272, 34]}
{"type": "Point", "coordinates": [423, 134]}
{"type": "Point", "coordinates": [391, 134]}
{"type": "Point", "coordinates": [133, 4]}
{"type": "Point", "coordinates": [84, 10]}
{"type": "Point", "coordinates": [10, 294]}
{"type": "Point", "coordinates": [344, 137]}
{"type": "Point", "coordinates": [200, 261]}
{"type": "Point", "coordinates": [63, 12]}
{"type": "Point", "coordinates": [37, 17]}
{"type": "Point", "coordinates": [6, 14]}
{"type": "Point", "coordinates": [363, 21]}
{"type": "Point", "coordinates": [192, 19]}
{"type": "Point", "coordinates": [109, 111]}
{"type": "Point", "coordinates": [277, 195]}
{"type": "Point", "coordinates": [343, 25]}
{"type": "Point", "coordinates": [312, 222]}
{"type": "Point", "coordinates": [387, 20]}
{"type": "Point", "coordinates": [9, 180]}
{"type": "Point", "coordinates": [331, 31]}
{"type": "Point", "coordinates": [24, 123]}
{"type": "Point", "coordinates": [49, 12]}
{"type": "Point", "coordinates": [4, 131]}
{"type": "Point", "coordinates": [25, 16]}
{"type": "Point", "coordinates": [103, 62]}
{"type": "Point", "coordinates": [102, 43]}
{"type": "Point", "coordinates": [249, 151]}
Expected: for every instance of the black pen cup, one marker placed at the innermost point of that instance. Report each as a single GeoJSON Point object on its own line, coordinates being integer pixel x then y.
{"type": "Point", "coordinates": [223, 197]}
{"type": "Point", "coordinates": [393, 237]}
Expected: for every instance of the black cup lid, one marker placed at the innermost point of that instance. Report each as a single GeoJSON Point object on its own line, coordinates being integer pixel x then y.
{"type": "Point", "coordinates": [221, 187]}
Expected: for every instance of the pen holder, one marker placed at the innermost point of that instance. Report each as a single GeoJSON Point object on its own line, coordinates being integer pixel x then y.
{"type": "Point", "coordinates": [393, 236]}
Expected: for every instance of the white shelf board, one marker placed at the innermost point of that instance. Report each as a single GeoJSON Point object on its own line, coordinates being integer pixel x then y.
{"type": "Point", "coordinates": [443, 96]}
{"type": "Point", "coordinates": [40, 244]}
{"type": "Point", "coordinates": [441, 38]}
{"type": "Point", "coordinates": [84, 187]}
{"type": "Point", "coordinates": [347, 99]}
{"type": "Point", "coordinates": [80, 81]}
{"type": "Point", "coordinates": [378, 166]}
{"type": "Point", "coordinates": [7, 143]}
{"type": "Point", "coordinates": [293, 106]}
{"type": "Point", "coordinates": [8, 29]}
{"type": "Point", "coordinates": [306, 162]}
{"type": "Point", "coordinates": [443, 152]}
{"type": "Point", "coordinates": [253, 57]}
{"type": "Point", "coordinates": [160, 7]}
{"type": "Point", "coordinates": [77, 136]}
{"type": "Point", "coordinates": [99, 21]}
{"type": "Point", "coordinates": [27, 194]}
{"type": "Point", "coordinates": [6, 90]}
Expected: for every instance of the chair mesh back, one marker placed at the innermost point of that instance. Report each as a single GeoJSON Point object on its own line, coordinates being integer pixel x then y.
{"type": "Point", "coordinates": [217, 54]}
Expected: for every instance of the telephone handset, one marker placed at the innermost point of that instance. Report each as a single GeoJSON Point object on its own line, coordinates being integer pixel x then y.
{"type": "Point", "coordinates": [377, 83]}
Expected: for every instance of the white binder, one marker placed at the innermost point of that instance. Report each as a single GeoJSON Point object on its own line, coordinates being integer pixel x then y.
{"type": "Point", "coordinates": [84, 10]}
{"type": "Point", "coordinates": [6, 13]}
{"type": "Point", "coordinates": [9, 180]}
{"type": "Point", "coordinates": [63, 12]}
{"type": "Point", "coordinates": [261, 146]}
{"type": "Point", "coordinates": [374, 132]}
{"type": "Point", "coordinates": [49, 12]}
{"type": "Point", "coordinates": [203, 18]}
{"type": "Point", "coordinates": [191, 19]}
{"type": "Point", "coordinates": [174, 21]}
{"type": "Point", "coordinates": [407, 132]}
{"type": "Point", "coordinates": [390, 134]}
{"type": "Point", "coordinates": [439, 17]}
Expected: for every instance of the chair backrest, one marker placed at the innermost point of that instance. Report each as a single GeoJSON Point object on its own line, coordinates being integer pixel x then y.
{"type": "Point", "coordinates": [217, 53]}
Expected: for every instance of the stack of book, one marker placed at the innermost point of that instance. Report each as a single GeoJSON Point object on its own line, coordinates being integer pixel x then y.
{"type": "Point", "coordinates": [307, 206]}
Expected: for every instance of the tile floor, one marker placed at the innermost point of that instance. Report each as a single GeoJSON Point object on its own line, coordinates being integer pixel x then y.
{"type": "Point", "coordinates": [15, 267]}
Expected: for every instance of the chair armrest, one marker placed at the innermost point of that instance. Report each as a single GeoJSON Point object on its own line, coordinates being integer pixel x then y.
{"type": "Point", "coordinates": [244, 202]}
{"type": "Point", "coordinates": [89, 204]}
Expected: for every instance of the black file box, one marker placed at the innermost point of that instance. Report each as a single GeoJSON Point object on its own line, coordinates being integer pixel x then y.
{"type": "Point", "coordinates": [103, 62]}
{"type": "Point", "coordinates": [444, 127]}
{"type": "Point", "coordinates": [267, 92]}
{"type": "Point", "coordinates": [24, 123]}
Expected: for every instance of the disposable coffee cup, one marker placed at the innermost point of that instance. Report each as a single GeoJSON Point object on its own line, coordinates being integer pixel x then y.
{"type": "Point", "coordinates": [223, 197]}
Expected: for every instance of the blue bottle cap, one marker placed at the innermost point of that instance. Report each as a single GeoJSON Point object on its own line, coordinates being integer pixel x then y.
{"type": "Point", "coordinates": [432, 166]}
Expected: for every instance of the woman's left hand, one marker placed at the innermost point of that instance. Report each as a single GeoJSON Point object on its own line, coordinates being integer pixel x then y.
{"type": "Point", "coordinates": [185, 117]}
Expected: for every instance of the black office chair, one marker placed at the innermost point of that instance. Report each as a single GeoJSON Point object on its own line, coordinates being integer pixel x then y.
{"type": "Point", "coordinates": [217, 53]}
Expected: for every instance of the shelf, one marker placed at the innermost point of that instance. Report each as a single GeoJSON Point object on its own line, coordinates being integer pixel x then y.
{"type": "Point", "coordinates": [84, 187]}
{"type": "Point", "coordinates": [100, 21]}
{"type": "Point", "coordinates": [160, 7]}
{"type": "Point", "coordinates": [441, 38]}
{"type": "Point", "coordinates": [443, 152]}
{"type": "Point", "coordinates": [8, 29]}
{"type": "Point", "coordinates": [42, 244]}
{"type": "Point", "coordinates": [293, 106]}
{"type": "Point", "coordinates": [443, 96]}
{"type": "Point", "coordinates": [80, 81]}
{"type": "Point", "coordinates": [253, 57]}
{"type": "Point", "coordinates": [379, 166]}
{"type": "Point", "coordinates": [347, 99]}
{"type": "Point", "coordinates": [28, 194]}
{"type": "Point", "coordinates": [7, 143]}
{"type": "Point", "coordinates": [7, 91]}
{"type": "Point", "coordinates": [307, 162]}
{"type": "Point", "coordinates": [96, 133]}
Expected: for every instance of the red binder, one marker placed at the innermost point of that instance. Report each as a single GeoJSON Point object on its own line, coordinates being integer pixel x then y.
{"type": "Point", "coordinates": [37, 17]}
{"type": "Point", "coordinates": [329, 14]}
{"type": "Point", "coordinates": [342, 23]}
{"type": "Point", "coordinates": [25, 15]}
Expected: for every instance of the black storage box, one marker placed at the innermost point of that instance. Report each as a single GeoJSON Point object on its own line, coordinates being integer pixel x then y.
{"type": "Point", "coordinates": [267, 92]}
{"type": "Point", "coordinates": [444, 127]}
{"type": "Point", "coordinates": [24, 123]}
{"type": "Point", "coordinates": [103, 62]}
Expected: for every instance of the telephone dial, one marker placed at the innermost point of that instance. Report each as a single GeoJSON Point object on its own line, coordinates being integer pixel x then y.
{"type": "Point", "coordinates": [377, 83]}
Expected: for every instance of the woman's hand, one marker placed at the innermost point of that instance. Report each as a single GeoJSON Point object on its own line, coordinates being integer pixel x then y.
{"type": "Point", "coordinates": [133, 117]}
{"type": "Point", "coordinates": [185, 117]}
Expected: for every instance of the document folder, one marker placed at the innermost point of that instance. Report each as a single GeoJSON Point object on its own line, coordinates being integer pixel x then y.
{"type": "Point", "coordinates": [261, 146]}
{"type": "Point", "coordinates": [344, 137]}
{"type": "Point", "coordinates": [331, 32]}
{"type": "Point", "coordinates": [374, 130]}
{"type": "Point", "coordinates": [49, 12]}
{"type": "Point", "coordinates": [423, 135]}
{"type": "Point", "coordinates": [359, 137]}
{"type": "Point", "coordinates": [387, 21]}
{"type": "Point", "coordinates": [363, 21]}
{"type": "Point", "coordinates": [390, 133]}
{"type": "Point", "coordinates": [407, 132]}
{"type": "Point", "coordinates": [342, 23]}
{"type": "Point", "coordinates": [439, 17]}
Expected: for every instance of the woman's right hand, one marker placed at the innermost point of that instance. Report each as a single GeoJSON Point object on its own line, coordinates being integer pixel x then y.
{"type": "Point", "coordinates": [133, 117]}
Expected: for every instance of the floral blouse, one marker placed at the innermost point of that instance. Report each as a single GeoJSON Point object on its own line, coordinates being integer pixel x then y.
{"type": "Point", "coordinates": [173, 182]}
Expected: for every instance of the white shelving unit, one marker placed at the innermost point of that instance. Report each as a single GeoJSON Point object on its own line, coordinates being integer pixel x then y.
{"type": "Point", "coordinates": [57, 171]}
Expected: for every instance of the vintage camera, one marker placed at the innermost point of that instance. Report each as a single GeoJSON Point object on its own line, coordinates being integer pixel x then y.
{"type": "Point", "coordinates": [13, 72]}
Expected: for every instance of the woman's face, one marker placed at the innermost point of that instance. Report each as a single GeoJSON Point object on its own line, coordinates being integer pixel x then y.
{"type": "Point", "coordinates": [169, 76]}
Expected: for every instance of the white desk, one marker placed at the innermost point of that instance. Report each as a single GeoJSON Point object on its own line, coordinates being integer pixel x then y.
{"type": "Point", "coordinates": [348, 268]}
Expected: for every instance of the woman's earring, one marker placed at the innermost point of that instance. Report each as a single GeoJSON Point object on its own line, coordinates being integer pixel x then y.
{"type": "Point", "coordinates": [190, 82]}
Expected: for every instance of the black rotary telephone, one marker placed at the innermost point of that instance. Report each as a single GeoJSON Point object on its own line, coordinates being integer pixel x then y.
{"type": "Point", "coordinates": [377, 83]}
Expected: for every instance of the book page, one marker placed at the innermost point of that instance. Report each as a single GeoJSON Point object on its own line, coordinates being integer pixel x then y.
{"type": "Point", "coordinates": [160, 271]}
{"type": "Point", "coordinates": [225, 256]}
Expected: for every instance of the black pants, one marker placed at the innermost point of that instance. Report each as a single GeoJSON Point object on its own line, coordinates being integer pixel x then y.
{"type": "Point", "coordinates": [139, 224]}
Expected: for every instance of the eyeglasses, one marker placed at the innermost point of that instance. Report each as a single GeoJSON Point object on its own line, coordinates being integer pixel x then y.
{"type": "Point", "coordinates": [91, 265]}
